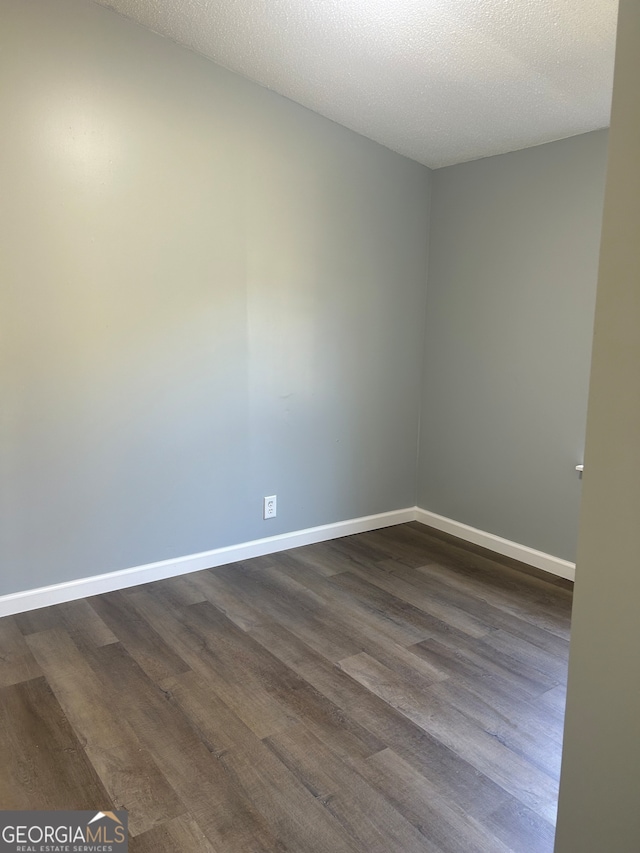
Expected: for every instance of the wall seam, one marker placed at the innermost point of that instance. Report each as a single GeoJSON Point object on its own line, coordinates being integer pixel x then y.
{"type": "Point", "coordinates": [421, 390]}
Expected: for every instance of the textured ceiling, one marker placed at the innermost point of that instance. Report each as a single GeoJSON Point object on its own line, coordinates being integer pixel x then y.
{"type": "Point", "coordinates": [442, 81]}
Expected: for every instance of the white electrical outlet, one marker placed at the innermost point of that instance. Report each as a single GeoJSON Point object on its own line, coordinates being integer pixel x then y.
{"type": "Point", "coordinates": [269, 506]}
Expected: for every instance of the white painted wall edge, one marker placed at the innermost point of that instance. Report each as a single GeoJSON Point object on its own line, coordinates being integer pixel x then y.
{"type": "Point", "coordinates": [537, 559]}
{"type": "Point", "coordinates": [32, 599]}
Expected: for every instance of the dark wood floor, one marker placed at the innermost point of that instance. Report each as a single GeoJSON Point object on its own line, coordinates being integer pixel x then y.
{"type": "Point", "coordinates": [391, 691]}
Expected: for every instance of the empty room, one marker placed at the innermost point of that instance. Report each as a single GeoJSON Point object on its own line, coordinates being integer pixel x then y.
{"type": "Point", "coordinates": [319, 462]}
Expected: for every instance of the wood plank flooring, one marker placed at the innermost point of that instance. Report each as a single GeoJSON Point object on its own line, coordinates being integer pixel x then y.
{"type": "Point", "coordinates": [390, 691]}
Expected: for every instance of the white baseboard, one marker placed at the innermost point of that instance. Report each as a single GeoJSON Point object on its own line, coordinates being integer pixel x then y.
{"type": "Point", "coordinates": [32, 599]}
{"type": "Point", "coordinates": [538, 559]}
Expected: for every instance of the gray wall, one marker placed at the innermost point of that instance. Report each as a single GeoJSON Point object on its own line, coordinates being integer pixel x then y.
{"type": "Point", "coordinates": [209, 294]}
{"type": "Point", "coordinates": [510, 300]}
{"type": "Point", "coordinates": [600, 779]}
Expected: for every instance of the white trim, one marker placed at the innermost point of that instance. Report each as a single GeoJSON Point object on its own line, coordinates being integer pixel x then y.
{"type": "Point", "coordinates": [31, 599]}
{"type": "Point", "coordinates": [538, 559]}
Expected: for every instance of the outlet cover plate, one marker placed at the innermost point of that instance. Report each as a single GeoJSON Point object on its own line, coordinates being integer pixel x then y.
{"type": "Point", "coordinates": [269, 506]}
